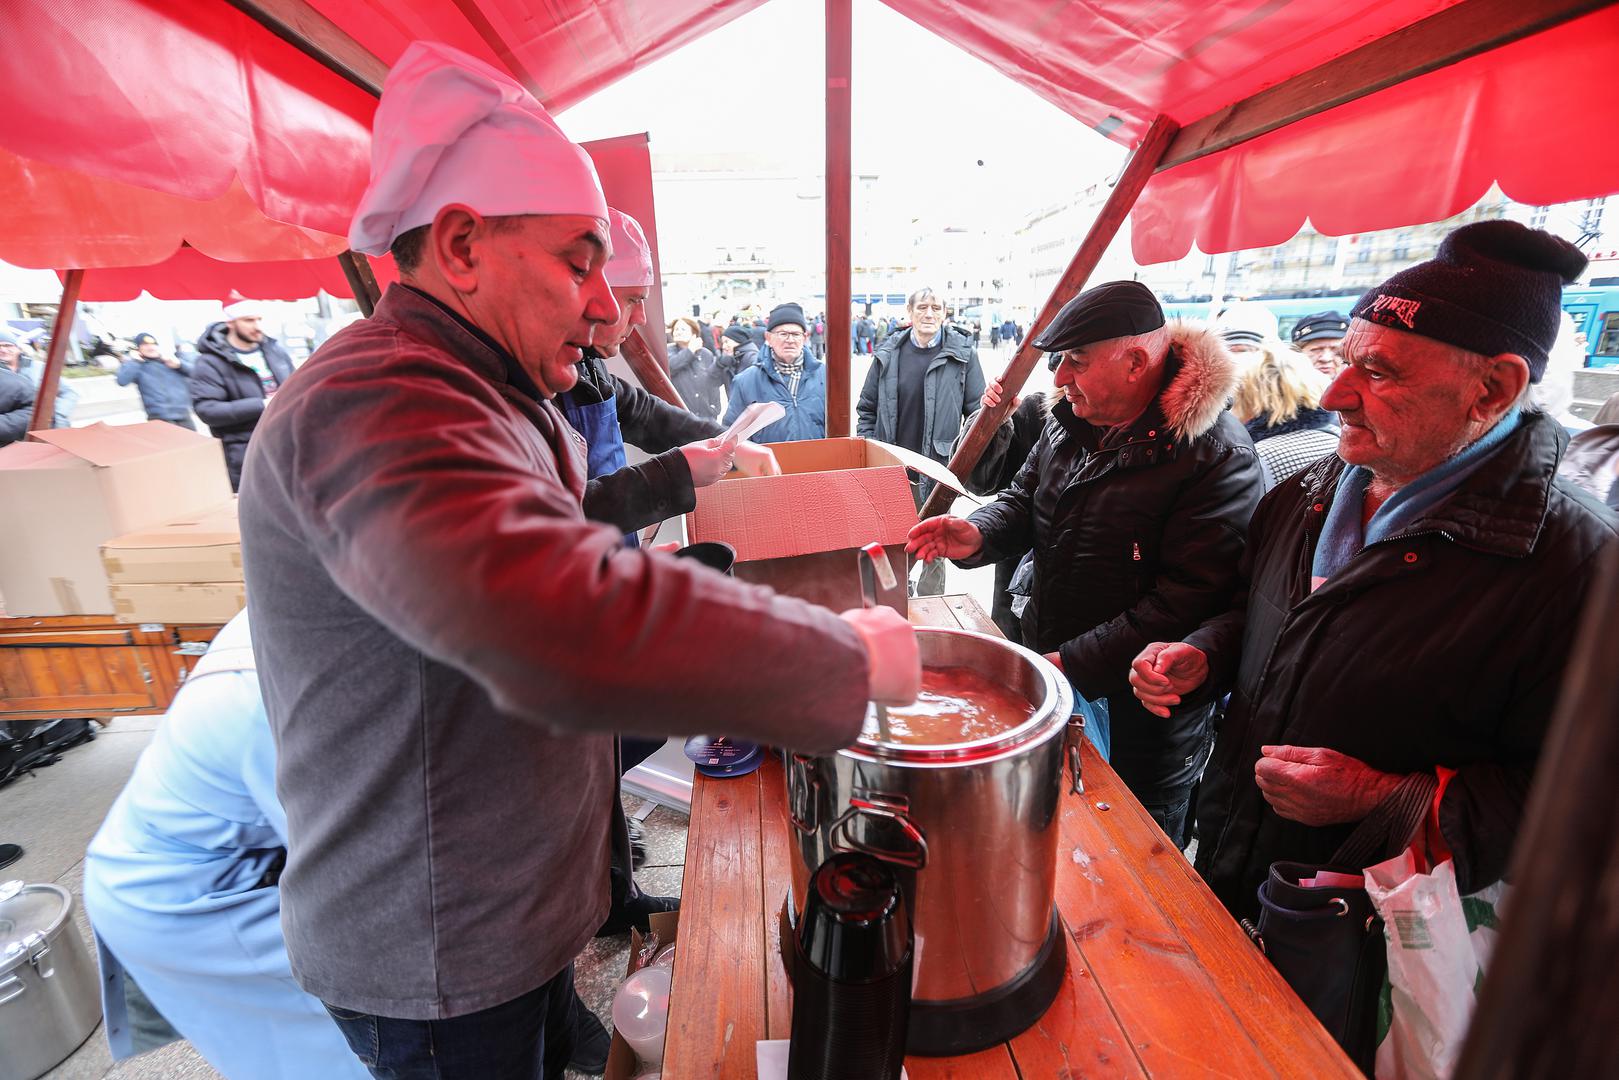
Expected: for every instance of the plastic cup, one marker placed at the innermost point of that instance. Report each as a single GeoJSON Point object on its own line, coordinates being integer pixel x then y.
{"type": "Point", "coordinates": [641, 1013]}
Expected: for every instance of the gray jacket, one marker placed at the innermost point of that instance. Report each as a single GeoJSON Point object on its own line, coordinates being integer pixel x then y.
{"type": "Point", "coordinates": [951, 389]}
{"type": "Point", "coordinates": [446, 648]}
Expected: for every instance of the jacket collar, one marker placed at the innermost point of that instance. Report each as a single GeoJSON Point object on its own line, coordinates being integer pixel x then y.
{"type": "Point", "coordinates": [953, 345]}
{"type": "Point", "coordinates": [516, 377]}
{"type": "Point", "coordinates": [1499, 510]}
{"type": "Point", "coordinates": [425, 319]}
{"type": "Point", "coordinates": [767, 360]}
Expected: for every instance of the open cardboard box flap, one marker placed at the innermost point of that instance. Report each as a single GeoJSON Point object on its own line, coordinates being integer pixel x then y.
{"type": "Point", "coordinates": [108, 444]}
{"type": "Point", "coordinates": [832, 494]}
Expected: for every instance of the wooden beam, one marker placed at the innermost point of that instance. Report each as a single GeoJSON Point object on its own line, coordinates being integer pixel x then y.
{"type": "Point", "coordinates": [645, 367]}
{"type": "Point", "coordinates": [1103, 229]}
{"type": "Point", "coordinates": [1452, 35]}
{"type": "Point", "coordinates": [1547, 1007]}
{"type": "Point", "coordinates": [362, 281]}
{"type": "Point", "coordinates": [839, 205]}
{"type": "Point", "coordinates": [307, 30]}
{"type": "Point", "coordinates": [61, 340]}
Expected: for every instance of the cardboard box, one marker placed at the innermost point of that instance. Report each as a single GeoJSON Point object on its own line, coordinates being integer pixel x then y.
{"type": "Point", "coordinates": [621, 1062]}
{"type": "Point", "coordinates": [801, 532]}
{"type": "Point", "coordinates": [67, 492]}
{"type": "Point", "coordinates": [171, 602]}
{"type": "Point", "coordinates": [198, 548]}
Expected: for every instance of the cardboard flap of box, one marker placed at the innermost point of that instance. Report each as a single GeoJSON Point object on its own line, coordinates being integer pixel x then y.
{"type": "Point", "coordinates": [204, 547]}
{"type": "Point", "coordinates": [108, 444]}
{"type": "Point", "coordinates": [35, 455]}
{"type": "Point", "coordinates": [833, 494]}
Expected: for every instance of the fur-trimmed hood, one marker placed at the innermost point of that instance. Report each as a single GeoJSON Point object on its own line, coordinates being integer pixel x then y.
{"type": "Point", "coordinates": [1199, 388]}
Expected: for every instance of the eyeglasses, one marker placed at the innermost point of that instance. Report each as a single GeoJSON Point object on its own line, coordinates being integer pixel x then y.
{"type": "Point", "coordinates": [789, 335]}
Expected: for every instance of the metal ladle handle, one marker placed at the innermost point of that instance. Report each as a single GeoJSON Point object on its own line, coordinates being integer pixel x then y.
{"type": "Point", "coordinates": [875, 570]}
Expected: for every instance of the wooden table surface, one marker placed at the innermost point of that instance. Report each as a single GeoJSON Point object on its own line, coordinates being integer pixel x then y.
{"type": "Point", "coordinates": [1161, 980]}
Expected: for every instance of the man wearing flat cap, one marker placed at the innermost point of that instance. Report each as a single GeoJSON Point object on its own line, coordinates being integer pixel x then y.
{"type": "Point", "coordinates": [1134, 501]}
{"type": "Point", "coordinates": [1405, 604]}
{"type": "Point", "coordinates": [446, 646]}
{"type": "Point", "coordinates": [785, 373]}
{"type": "Point", "coordinates": [1320, 338]}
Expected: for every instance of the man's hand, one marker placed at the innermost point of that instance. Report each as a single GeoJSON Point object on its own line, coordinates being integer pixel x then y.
{"type": "Point", "coordinates": [1164, 672]}
{"type": "Point", "coordinates": [892, 659]}
{"type": "Point", "coordinates": [755, 460]}
{"type": "Point", "coordinates": [944, 538]}
{"type": "Point", "coordinates": [709, 460]}
{"type": "Point", "coordinates": [172, 362]}
{"type": "Point", "coordinates": [992, 396]}
{"type": "Point", "coordinates": [1316, 786]}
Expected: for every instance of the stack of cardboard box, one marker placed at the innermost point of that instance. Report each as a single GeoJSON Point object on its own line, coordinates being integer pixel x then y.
{"type": "Point", "coordinates": [184, 571]}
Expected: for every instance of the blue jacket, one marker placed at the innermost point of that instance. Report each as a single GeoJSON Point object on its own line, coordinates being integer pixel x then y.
{"type": "Point", "coordinates": [165, 392]}
{"type": "Point", "coordinates": [806, 411]}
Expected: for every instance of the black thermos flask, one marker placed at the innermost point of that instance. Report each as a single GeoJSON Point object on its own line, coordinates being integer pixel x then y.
{"type": "Point", "coordinates": [851, 973]}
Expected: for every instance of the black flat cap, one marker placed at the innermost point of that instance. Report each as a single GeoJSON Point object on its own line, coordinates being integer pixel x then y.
{"type": "Point", "coordinates": [1321, 326]}
{"type": "Point", "coordinates": [1114, 310]}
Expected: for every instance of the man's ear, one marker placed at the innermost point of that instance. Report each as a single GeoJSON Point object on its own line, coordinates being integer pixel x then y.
{"type": "Point", "coordinates": [1505, 376]}
{"type": "Point", "coordinates": [1138, 359]}
{"type": "Point", "coordinates": [450, 246]}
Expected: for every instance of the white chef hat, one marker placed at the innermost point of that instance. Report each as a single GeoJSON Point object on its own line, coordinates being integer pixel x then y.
{"type": "Point", "coordinates": [631, 263]}
{"type": "Point", "coordinates": [452, 129]}
{"type": "Point", "coordinates": [244, 309]}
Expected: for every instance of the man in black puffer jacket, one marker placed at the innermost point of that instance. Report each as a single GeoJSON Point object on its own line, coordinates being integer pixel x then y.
{"type": "Point", "coordinates": [238, 367]}
{"type": "Point", "coordinates": [1409, 603]}
{"type": "Point", "coordinates": [1135, 502]}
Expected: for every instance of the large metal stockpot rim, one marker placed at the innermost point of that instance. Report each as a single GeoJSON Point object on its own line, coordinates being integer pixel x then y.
{"type": "Point", "coordinates": [1031, 674]}
{"type": "Point", "coordinates": [29, 914]}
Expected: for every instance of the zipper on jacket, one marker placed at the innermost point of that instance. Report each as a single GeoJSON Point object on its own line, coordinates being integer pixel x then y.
{"type": "Point", "coordinates": [1135, 551]}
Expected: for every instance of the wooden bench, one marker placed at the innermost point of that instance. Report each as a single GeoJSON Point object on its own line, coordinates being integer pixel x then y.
{"type": "Point", "coordinates": [1161, 980]}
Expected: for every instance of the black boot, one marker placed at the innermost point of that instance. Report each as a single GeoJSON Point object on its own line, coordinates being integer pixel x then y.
{"type": "Point", "coordinates": [637, 845]}
{"type": "Point", "coordinates": [637, 912]}
{"type": "Point", "coordinates": [9, 853]}
{"type": "Point", "coordinates": [590, 1041]}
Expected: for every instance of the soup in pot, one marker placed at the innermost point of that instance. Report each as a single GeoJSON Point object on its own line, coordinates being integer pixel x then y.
{"type": "Point", "coordinates": [956, 705]}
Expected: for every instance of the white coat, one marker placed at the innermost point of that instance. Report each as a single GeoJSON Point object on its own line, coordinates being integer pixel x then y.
{"type": "Point", "coordinates": [172, 885]}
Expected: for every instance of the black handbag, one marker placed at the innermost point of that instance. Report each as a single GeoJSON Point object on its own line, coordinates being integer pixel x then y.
{"type": "Point", "coordinates": [1327, 941]}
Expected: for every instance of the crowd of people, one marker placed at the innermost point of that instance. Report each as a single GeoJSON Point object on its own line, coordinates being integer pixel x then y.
{"type": "Point", "coordinates": [439, 545]}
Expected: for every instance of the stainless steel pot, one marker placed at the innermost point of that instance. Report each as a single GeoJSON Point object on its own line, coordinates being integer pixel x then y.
{"type": "Point", "coordinates": [50, 997]}
{"type": "Point", "coordinates": [972, 828]}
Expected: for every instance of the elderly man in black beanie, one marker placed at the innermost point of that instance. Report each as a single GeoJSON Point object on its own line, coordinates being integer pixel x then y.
{"type": "Point", "coordinates": [1134, 502]}
{"type": "Point", "coordinates": [1406, 604]}
{"type": "Point", "coordinates": [785, 372]}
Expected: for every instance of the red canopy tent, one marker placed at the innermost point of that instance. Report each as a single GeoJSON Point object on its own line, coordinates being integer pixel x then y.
{"type": "Point", "coordinates": [1248, 115]}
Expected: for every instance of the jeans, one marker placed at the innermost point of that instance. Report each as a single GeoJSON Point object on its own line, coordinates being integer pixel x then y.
{"type": "Point", "coordinates": [1173, 816]}
{"type": "Point", "coordinates": [527, 1038]}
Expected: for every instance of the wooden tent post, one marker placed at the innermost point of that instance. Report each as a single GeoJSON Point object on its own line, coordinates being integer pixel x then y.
{"type": "Point", "coordinates": [839, 167]}
{"type": "Point", "coordinates": [645, 367]}
{"type": "Point", "coordinates": [362, 282]}
{"type": "Point", "coordinates": [1103, 229]}
{"type": "Point", "coordinates": [61, 338]}
{"type": "Point", "coordinates": [1547, 1007]}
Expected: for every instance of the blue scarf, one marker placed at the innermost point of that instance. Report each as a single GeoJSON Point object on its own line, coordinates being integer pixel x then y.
{"type": "Point", "coordinates": [1343, 536]}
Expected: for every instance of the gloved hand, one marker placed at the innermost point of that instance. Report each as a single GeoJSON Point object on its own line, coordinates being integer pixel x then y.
{"type": "Point", "coordinates": [709, 460]}
{"type": "Point", "coordinates": [755, 460]}
{"type": "Point", "coordinates": [892, 657]}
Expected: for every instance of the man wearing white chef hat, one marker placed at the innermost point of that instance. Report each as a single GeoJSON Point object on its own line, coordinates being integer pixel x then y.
{"type": "Point", "coordinates": [446, 646]}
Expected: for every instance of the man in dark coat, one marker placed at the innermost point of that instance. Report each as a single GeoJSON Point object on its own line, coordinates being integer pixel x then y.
{"type": "Point", "coordinates": [161, 380]}
{"type": "Point", "coordinates": [923, 379]}
{"type": "Point", "coordinates": [238, 367]}
{"type": "Point", "coordinates": [1135, 502]}
{"type": "Point", "coordinates": [16, 406]}
{"type": "Point", "coordinates": [1406, 605]}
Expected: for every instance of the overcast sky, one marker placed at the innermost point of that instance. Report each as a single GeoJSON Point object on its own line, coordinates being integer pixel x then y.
{"type": "Point", "coordinates": [925, 112]}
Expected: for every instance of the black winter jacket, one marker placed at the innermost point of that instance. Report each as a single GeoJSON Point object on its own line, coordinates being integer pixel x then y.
{"type": "Point", "coordinates": [951, 388]}
{"type": "Point", "coordinates": [697, 375]}
{"type": "Point", "coordinates": [1131, 542]}
{"type": "Point", "coordinates": [639, 495]}
{"type": "Point", "coordinates": [1008, 449]}
{"type": "Point", "coordinates": [16, 405]}
{"type": "Point", "coordinates": [1442, 645]}
{"type": "Point", "coordinates": [228, 396]}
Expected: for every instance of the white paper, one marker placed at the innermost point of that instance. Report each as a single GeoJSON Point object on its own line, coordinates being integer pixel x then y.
{"type": "Point", "coordinates": [761, 414]}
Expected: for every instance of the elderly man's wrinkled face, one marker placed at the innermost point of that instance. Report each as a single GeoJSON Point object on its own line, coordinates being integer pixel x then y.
{"type": "Point", "coordinates": [787, 341]}
{"type": "Point", "coordinates": [1095, 381]}
{"type": "Point", "coordinates": [927, 315]}
{"type": "Point", "coordinates": [10, 355]}
{"type": "Point", "coordinates": [249, 328]}
{"type": "Point", "coordinates": [1324, 355]}
{"type": "Point", "coordinates": [541, 293]}
{"type": "Point", "coordinates": [1403, 401]}
{"type": "Point", "coordinates": [631, 300]}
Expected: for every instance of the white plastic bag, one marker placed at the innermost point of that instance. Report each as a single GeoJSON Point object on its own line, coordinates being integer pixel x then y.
{"type": "Point", "coordinates": [1438, 943]}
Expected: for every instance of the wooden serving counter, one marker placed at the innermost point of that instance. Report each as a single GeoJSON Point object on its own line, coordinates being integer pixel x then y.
{"type": "Point", "coordinates": [1161, 981]}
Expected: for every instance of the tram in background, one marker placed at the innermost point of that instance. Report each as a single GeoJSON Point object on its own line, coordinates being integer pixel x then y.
{"type": "Point", "coordinates": [1595, 309]}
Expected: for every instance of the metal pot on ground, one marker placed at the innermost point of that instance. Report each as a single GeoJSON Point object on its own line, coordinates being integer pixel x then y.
{"type": "Point", "coordinates": [50, 997]}
{"type": "Point", "coordinates": [972, 830]}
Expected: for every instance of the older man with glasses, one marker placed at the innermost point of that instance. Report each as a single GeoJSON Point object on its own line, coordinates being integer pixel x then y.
{"type": "Point", "coordinates": [785, 373]}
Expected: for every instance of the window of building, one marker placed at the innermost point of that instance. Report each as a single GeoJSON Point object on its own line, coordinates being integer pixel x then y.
{"type": "Point", "coordinates": [1608, 336]}
{"type": "Point", "coordinates": [1537, 217]}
